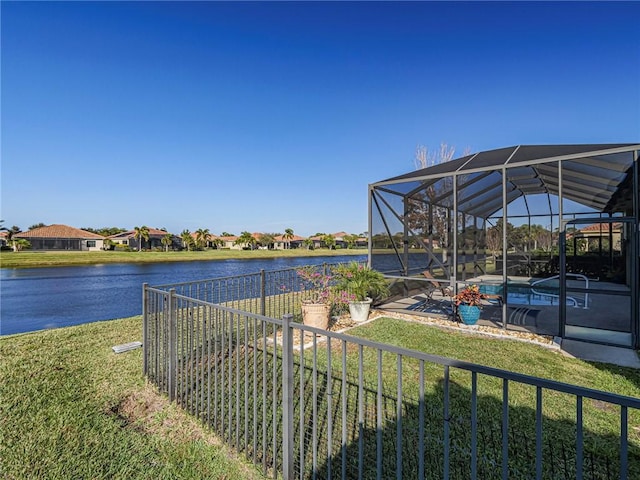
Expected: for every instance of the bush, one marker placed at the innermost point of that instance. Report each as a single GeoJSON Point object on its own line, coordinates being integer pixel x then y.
{"type": "Point", "coordinates": [361, 281]}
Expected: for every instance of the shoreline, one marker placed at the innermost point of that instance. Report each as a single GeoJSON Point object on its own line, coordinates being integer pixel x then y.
{"type": "Point", "coordinates": [36, 259]}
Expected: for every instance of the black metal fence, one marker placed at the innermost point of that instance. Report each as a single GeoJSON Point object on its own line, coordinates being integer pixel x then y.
{"type": "Point", "coordinates": [313, 404]}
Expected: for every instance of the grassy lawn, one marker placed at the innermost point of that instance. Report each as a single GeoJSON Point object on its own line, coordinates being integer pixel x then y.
{"type": "Point", "coordinates": [337, 399]}
{"type": "Point", "coordinates": [56, 259]}
{"type": "Point", "coordinates": [511, 355]}
{"type": "Point", "coordinates": [71, 408]}
{"type": "Point", "coordinates": [601, 421]}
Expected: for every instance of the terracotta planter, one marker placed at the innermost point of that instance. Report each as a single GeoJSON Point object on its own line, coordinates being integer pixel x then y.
{"type": "Point", "coordinates": [360, 310]}
{"type": "Point", "coordinates": [469, 314]}
{"type": "Point", "coordinates": [316, 314]}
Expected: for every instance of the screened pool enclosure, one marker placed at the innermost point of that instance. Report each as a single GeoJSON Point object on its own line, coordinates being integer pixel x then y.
{"type": "Point", "coordinates": [550, 231]}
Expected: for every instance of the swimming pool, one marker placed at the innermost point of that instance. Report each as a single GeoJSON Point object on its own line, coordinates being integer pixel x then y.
{"type": "Point", "coordinates": [526, 294]}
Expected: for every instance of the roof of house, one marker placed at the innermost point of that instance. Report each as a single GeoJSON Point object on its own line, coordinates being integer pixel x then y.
{"type": "Point", "coordinates": [153, 232]}
{"type": "Point", "coordinates": [602, 227]}
{"type": "Point", "coordinates": [337, 236]}
{"type": "Point", "coordinates": [294, 238]}
{"type": "Point", "coordinates": [58, 231]}
{"type": "Point", "coordinates": [194, 235]}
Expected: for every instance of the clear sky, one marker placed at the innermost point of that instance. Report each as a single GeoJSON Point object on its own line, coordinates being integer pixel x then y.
{"type": "Point", "coordinates": [267, 116]}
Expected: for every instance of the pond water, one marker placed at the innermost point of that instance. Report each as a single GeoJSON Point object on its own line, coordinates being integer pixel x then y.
{"type": "Point", "coordinates": [40, 298]}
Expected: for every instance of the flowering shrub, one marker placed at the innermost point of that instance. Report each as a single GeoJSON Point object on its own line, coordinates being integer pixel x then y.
{"type": "Point", "coordinates": [469, 295]}
{"type": "Point", "coordinates": [319, 287]}
{"type": "Point", "coordinates": [315, 285]}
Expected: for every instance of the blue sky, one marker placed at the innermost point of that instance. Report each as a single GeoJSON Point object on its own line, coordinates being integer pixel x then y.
{"type": "Point", "coordinates": [267, 116]}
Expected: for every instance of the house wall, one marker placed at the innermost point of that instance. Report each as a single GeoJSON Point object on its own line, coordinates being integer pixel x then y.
{"type": "Point", "coordinates": [66, 244]}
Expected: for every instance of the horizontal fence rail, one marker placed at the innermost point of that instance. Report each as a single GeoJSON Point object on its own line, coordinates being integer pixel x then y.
{"type": "Point", "coordinates": [270, 293]}
{"type": "Point", "coordinates": [307, 403]}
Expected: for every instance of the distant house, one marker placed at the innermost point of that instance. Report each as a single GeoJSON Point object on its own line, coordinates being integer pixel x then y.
{"type": "Point", "coordinates": [317, 242]}
{"type": "Point", "coordinates": [595, 234]}
{"type": "Point", "coordinates": [342, 242]}
{"type": "Point", "coordinates": [282, 243]}
{"type": "Point", "coordinates": [62, 237]}
{"type": "Point", "coordinates": [340, 239]}
{"type": "Point", "coordinates": [155, 239]}
{"type": "Point", "coordinates": [229, 241]}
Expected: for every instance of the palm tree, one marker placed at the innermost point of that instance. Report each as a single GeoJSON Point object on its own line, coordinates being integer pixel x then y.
{"type": "Point", "coordinates": [329, 240]}
{"type": "Point", "coordinates": [351, 240]}
{"type": "Point", "coordinates": [10, 233]}
{"type": "Point", "coordinates": [217, 242]}
{"type": "Point", "coordinates": [187, 239]}
{"type": "Point", "coordinates": [308, 243]}
{"type": "Point", "coordinates": [267, 240]}
{"type": "Point", "coordinates": [202, 237]}
{"type": "Point", "coordinates": [166, 241]}
{"type": "Point", "coordinates": [246, 239]}
{"type": "Point", "coordinates": [20, 243]}
{"type": "Point", "coordinates": [140, 234]}
{"type": "Point", "coordinates": [107, 244]}
{"type": "Point", "coordinates": [288, 235]}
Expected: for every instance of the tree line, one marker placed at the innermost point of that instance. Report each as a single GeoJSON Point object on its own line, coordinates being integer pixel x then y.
{"type": "Point", "coordinates": [200, 239]}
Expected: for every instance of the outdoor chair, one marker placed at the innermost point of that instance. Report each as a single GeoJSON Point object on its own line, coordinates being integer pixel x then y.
{"type": "Point", "coordinates": [436, 286]}
{"type": "Point", "coordinates": [446, 292]}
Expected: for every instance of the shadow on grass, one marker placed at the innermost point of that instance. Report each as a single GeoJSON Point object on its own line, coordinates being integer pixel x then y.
{"type": "Point", "coordinates": [347, 428]}
{"type": "Point", "coordinates": [420, 433]}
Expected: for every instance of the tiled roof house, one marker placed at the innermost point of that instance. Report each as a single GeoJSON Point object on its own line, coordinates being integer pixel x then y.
{"type": "Point", "coordinates": [229, 242]}
{"type": "Point", "coordinates": [282, 243]}
{"type": "Point", "coordinates": [128, 238]}
{"type": "Point", "coordinates": [62, 237]}
{"type": "Point", "coordinates": [340, 240]}
{"type": "Point", "coordinates": [600, 231]}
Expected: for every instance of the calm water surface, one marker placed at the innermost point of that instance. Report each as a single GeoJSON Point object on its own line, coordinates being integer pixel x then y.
{"type": "Point", "coordinates": [38, 298]}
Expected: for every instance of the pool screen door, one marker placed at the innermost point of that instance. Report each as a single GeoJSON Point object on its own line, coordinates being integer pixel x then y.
{"type": "Point", "coordinates": [598, 281]}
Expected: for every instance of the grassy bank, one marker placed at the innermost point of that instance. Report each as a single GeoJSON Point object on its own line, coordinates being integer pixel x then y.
{"type": "Point", "coordinates": [71, 408]}
{"type": "Point", "coordinates": [57, 259]}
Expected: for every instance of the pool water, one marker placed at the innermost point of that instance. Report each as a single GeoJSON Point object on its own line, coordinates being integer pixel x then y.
{"type": "Point", "coordinates": [524, 294]}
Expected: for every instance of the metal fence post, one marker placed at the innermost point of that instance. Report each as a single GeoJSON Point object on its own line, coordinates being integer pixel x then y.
{"type": "Point", "coordinates": [287, 398]}
{"type": "Point", "coordinates": [145, 330]}
{"type": "Point", "coordinates": [173, 359]}
{"type": "Point", "coordinates": [263, 287]}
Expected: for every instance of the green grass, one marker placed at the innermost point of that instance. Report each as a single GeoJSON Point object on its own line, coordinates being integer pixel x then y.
{"type": "Point", "coordinates": [71, 408]}
{"type": "Point", "coordinates": [601, 421]}
{"type": "Point", "coordinates": [506, 354]}
{"type": "Point", "coordinates": [56, 259]}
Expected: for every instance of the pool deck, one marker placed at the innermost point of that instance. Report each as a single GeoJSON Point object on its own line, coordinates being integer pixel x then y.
{"type": "Point", "coordinates": [439, 308]}
{"type": "Point", "coordinates": [590, 352]}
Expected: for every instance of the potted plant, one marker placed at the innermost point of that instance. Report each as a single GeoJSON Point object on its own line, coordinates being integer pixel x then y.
{"type": "Point", "coordinates": [317, 293]}
{"type": "Point", "coordinates": [362, 285]}
{"type": "Point", "coordinates": [468, 301]}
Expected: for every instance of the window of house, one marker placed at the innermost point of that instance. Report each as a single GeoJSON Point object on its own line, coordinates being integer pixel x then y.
{"type": "Point", "coordinates": [91, 243]}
